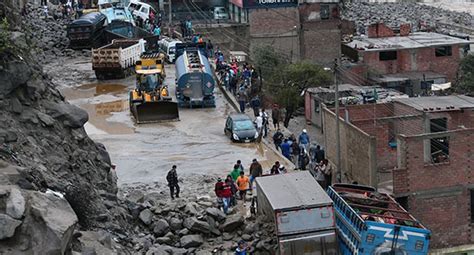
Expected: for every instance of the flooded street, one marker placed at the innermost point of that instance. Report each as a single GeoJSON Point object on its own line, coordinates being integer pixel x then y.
{"type": "Point", "coordinates": [144, 153]}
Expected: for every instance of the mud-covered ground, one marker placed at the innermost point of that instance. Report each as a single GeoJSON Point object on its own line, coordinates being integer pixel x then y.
{"type": "Point", "coordinates": [144, 153]}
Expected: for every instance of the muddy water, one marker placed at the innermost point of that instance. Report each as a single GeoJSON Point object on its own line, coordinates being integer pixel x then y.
{"type": "Point", "coordinates": [144, 153]}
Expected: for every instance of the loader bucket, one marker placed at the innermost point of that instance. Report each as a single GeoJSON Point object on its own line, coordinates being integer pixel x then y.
{"type": "Point", "coordinates": [159, 111]}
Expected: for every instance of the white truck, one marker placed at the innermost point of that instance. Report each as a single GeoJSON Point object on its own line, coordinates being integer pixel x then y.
{"type": "Point", "coordinates": [302, 212]}
{"type": "Point", "coordinates": [117, 59]}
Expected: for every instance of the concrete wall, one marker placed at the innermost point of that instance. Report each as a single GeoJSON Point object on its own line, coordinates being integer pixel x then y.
{"type": "Point", "coordinates": [438, 194]}
{"type": "Point", "coordinates": [358, 150]}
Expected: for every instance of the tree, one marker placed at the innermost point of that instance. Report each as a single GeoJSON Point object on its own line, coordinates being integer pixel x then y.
{"type": "Point", "coordinates": [288, 84]}
{"type": "Point", "coordinates": [467, 74]}
{"type": "Point", "coordinates": [267, 60]}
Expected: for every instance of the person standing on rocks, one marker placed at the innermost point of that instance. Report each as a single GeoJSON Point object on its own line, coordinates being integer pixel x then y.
{"type": "Point", "coordinates": [243, 184]}
{"type": "Point", "coordinates": [233, 189]}
{"type": "Point", "coordinates": [172, 178]}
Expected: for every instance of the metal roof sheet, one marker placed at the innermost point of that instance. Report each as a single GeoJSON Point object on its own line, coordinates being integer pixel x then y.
{"type": "Point", "coordinates": [438, 103]}
{"type": "Point", "coordinates": [293, 190]}
{"type": "Point", "coordinates": [412, 41]}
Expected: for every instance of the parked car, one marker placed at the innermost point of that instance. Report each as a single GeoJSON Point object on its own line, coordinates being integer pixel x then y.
{"type": "Point", "coordinates": [220, 13]}
{"type": "Point", "coordinates": [240, 128]}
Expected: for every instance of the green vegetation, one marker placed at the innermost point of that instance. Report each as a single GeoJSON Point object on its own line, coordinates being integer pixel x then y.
{"type": "Point", "coordinates": [285, 82]}
{"type": "Point", "coordinates": [4, 35]}
{"type": "Point", "coordinates": [466, 83]}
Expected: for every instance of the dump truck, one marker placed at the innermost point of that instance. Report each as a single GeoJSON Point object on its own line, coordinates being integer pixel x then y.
{"type": "Point", "coordinates": [369, 222]}
{"type": "Point", "coordinates": [117, 59]}
{"type": "Point", "coordinates": [150, 101]}
{"type": "Point", "coordinates": [302, 213]}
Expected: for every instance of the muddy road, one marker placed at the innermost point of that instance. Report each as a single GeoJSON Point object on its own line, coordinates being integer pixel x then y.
{"type": "Point", "coordinates": [144, 153]}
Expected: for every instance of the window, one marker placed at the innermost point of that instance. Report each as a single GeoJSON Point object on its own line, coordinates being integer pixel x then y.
{"type": "Point", "coordinates": [443, 51]}
{"type": "Point", "coordinates": [387, 55]}
{"type": "Point", "coordinates": [403, 201]}
{"type": "Point", "coordinates": [324, 12]}
{"type": "Point", "coordinates": [472, 205]}
{"type": "Point", "coordinates": [316, 106]}
{"type": "Point", "coordinates": [439, 145]}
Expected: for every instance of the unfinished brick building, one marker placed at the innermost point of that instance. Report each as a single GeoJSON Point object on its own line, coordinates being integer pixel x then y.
{"type": "Point", "coordinates": [421, 149]}
{"type": "Point", "coordinates": [408, 62]}
{"type": "Point", "coordinates": [298, 29]}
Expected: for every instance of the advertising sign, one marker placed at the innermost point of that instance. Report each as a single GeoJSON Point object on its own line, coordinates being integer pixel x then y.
{"type": "Point", "coordinates": [264, 3]}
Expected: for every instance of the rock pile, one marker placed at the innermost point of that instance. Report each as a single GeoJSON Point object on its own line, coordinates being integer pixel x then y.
{"type": "Point", "coordinates": [193, 224]}
{"type": "Point", "coordinates": [394, 14]}
{"type": "Point", "coordinates": [48, 34]}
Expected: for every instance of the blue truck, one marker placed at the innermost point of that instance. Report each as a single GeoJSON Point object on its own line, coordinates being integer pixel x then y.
{"type": "Point", "coordinates": [369, 222]}
{"type": "Point", "coordinates": [194, 77]}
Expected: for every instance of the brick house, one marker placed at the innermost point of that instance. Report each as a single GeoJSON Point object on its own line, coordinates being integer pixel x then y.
{"type": "Point", "coordinates": [421, 150]}
{"type": "Point", "coordinates": [298, 29]}
{"type": "Point", "coordinates": [408, 62]}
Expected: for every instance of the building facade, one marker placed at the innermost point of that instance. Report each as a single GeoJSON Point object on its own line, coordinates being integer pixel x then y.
{"type": "Point", "coordinates": [297, 29]}
{"type": "Point", "coordinates": [408, 62]}
{"type": "Point", "coordinates": [421, 150]}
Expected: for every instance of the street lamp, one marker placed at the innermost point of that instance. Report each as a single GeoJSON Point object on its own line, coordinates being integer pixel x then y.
{"type": "Point", "coordinates": [339, 173]}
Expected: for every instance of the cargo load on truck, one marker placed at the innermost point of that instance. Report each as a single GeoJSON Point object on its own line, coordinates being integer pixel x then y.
{"type": "Point", "coordinates": [301, 210]}
{"type": "Point", "coordinates": [150, 101]}
{"type": "Point", "coordinates": [369, 222]}
{"type": "Point", "coordinates": [120, 29]}
{"type": "Point", "coordinates": [194, 77]}
{"type": "Point", "coordinates": [117, 59]}
{"type": "Point", "coordinates": [87, 31]}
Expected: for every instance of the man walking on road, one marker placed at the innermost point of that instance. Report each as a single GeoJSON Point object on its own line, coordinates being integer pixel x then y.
{"type": "Point", "coordinates": [242, 100]}
{"type": "Point", "coordinates": [255, 171]}
{"type": "Point", "coordinates": [278, 139]}
{"type": "Point", "coordinates": [276, 115]}
{"type": "Point", "coordinates": [172, 178]}
{"type": "Point", "coordinates": [286, 149]}
{"type": "Point", "coordinates": [303, 139]}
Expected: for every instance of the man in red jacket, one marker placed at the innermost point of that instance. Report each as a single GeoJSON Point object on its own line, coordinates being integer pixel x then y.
{"type": "Point", "coordinates": [223, 193]}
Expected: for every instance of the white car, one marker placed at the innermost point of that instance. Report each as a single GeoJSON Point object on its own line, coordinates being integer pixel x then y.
{"type": "Point", "coordinates": [140, 9]}
{"type": "Point", "coordinates": [220, 13]}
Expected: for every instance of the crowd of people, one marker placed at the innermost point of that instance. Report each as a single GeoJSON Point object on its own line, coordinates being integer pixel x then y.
{"type": "Point", "coordinates": [152, 24]}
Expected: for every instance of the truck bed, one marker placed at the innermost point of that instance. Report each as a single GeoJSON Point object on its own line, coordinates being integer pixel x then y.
{"type": "Point", "coordinates": [369, 222]}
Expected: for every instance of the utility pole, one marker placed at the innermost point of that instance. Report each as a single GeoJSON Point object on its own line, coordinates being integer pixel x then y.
{"type": "Point", "coordinates": [339, 171]}
{"type": "Point", "coordinates": [170, 19]}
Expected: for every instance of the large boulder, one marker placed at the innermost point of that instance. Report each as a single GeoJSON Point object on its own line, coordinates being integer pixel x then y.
{"type": "Point", "coordinates": [15, 204]}
{"type": "Point", "coordinates": [232, 223]}
{"type": "Point", "coordinates": [176, 224]}
{"type": "Point", "coordinates": [191, 241]}
{"type": "Point", "coordinates": [13, 75]}
{"type": "Point", "coordinates": [161, 227]}
{"type": "Point", "coordinates": [71, 115]}
{"type": "Point", "coordinates": [216, 214]}
{"type": "Point", "coordinates": [146, 216]}
{"type": "Point", "coordinates": [8, 226]}
{"type": "Point", "coordinates": [197, 226]}
{"type": "Point", "coordinates": [50, 223]}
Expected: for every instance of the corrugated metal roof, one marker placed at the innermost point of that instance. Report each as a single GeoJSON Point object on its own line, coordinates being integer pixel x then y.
{"type": "Point", "coordinates": [292, 190]}
{"type": "Point", "coordinates": [438, 103]}
{"type": "Point", "coordinates": [413, 41]}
